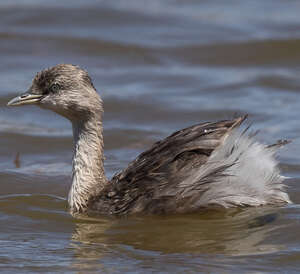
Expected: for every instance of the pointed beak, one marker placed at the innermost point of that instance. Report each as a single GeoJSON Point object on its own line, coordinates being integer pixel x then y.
{"type": "Point", "coordinates": [25, 99]}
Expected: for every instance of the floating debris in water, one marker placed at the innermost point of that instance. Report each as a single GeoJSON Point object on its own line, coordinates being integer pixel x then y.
{"type": "Point", "coordinates": [17, 160]}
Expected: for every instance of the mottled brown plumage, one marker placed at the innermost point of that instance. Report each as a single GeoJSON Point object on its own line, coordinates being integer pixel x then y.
{"type": "Point", "coordinates": [151, 182]}
{"type": "Point", "coordinates": [203, 166]}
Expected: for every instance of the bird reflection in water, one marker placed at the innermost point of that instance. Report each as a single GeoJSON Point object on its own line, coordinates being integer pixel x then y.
{"type": "Point", "coordinates": [233, 232]}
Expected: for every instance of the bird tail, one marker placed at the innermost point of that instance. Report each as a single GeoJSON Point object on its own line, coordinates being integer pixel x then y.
{"type": "Point", "coordinates": [239, 172]}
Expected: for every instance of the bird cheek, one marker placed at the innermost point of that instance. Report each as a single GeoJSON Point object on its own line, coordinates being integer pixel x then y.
{"type": "Point", "coordinates": [48, 103]}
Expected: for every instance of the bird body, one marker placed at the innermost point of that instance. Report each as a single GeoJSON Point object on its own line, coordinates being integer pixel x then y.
{"type": "Point", "coordinates": [208, 165]}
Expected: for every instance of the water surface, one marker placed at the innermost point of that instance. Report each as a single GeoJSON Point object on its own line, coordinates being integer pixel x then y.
{"type": "Point", "coordinates": [159, 66]}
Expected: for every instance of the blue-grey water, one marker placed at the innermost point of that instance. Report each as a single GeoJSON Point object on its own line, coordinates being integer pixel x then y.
{"type": "Point", "coordinates": [159, 66]}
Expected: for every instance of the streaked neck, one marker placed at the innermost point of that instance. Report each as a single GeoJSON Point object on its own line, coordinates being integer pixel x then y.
{"type": "Point", "coordinates": [88, 177]}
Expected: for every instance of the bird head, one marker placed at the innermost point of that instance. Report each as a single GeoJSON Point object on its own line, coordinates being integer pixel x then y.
{"type": "Point", "coordinates": [65, 89]}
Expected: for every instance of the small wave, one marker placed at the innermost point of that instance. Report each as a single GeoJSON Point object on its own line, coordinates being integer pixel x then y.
{"type": "Point", "coordinates": [41, 206]}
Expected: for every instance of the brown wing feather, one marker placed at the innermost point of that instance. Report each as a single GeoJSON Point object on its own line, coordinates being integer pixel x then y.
{"type": "Point", "coordinates": [138, 187]}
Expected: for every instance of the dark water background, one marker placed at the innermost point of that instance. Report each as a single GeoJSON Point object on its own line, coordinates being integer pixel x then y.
{"type": "Point", "coordinates": [159, 66]}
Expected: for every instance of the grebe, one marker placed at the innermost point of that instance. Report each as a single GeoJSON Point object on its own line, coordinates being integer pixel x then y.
{"type": "Point", "coordinates": [204, 166]}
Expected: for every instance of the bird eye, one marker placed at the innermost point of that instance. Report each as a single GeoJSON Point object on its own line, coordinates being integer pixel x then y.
{"type": "Point", "coordinates": [55, 87]}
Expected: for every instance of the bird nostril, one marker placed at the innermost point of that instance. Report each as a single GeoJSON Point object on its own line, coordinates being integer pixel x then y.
{"type": "Point", "coordinates": [23, 96]}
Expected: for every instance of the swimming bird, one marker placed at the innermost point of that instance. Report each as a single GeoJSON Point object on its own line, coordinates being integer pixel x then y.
{"type": "Point", "coordinates": [208, 165]}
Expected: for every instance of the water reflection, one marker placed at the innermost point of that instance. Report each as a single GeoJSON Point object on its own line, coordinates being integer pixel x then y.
{"type": "Point", "coordinates": [234, 232]}
{"type": "Point", "coordinates": [159, 66]}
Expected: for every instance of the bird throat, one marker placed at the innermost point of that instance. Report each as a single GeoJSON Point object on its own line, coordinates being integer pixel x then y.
{"type": "Point", "coordinates": [88, 176]}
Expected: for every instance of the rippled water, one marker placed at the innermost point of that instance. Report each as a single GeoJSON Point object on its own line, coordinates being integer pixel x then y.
{"type": "Point", "coordinates": [159, 66]}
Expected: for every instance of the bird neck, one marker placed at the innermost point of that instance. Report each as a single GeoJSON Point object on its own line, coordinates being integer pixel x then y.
{"type": "Point", "coordinates": [88, 176]}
